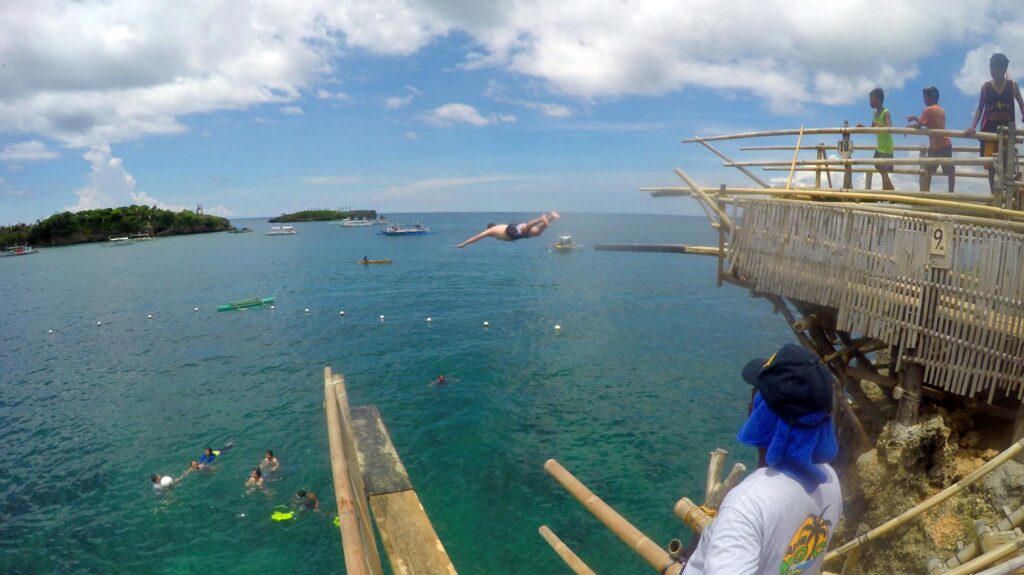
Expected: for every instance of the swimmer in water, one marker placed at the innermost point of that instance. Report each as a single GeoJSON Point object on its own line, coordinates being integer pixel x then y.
{"type": "Point", "coordinates": [255, 478]}
{"type": "Point", "coordinates": [439, 381]}
{"type": "Point", "coordinates": [269, 463]}
{"type": "Point", "coordinates": [207, 459]}
{"type": "Point", "coordinates": [513, 232]}
{"type": "Point", "coordinates": [307, 500]}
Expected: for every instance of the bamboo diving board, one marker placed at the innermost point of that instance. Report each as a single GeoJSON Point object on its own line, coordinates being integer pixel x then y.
{"type": "Point", "coordinates": [375, 473]}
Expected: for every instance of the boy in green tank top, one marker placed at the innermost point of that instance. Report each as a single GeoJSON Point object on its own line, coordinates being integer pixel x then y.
{"type": "Point", "coordinates": [884, 147]}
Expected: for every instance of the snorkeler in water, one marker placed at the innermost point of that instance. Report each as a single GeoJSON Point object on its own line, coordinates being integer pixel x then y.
{"type": "Point", "coordinates": [210, 454]}
{"type": "Point", "coordinates": [439, 381]}
{"type": "Point", "coordinates": [513, 232]}
{"type": "Point", "coordinates": [307, 500]}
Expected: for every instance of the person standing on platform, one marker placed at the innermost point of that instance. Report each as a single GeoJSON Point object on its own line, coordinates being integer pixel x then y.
{"type": "Point", "coordinates": [884, 148]}
{"type": "Point", "coordinates": [934, 118]}
{"type": "Point", "coordinates": [781, 517]}
{"type": "Point", "coordinates": [995, 107]}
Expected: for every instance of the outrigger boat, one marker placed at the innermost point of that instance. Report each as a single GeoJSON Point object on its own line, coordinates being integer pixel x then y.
{"type": "Point", "coordinates": [282, 231]}
{"type": "Point", "coordinates": [239, 231]}
{"type": "Point", "coordinates": [416, 229]}
{"type": "Point", "coordinates": [121, 241]}
{"type": "Point", "coordinates": [25, 250]}
{"type": "Point", "coordinates": [246, 304]}
{"type": "Point", "coordinates": [350, 223]}
{"type": "Point", "coordinates": [368, 262]}
{"type": "Point", "coordinates": [565, 244]}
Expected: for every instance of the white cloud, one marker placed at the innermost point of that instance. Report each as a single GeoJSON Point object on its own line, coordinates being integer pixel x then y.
{"type": "Point", "coordinates": [333, 180]}
{"type": "Point", "coordinates": [102, 71]}
{"type": "Point", "coordinates": [414, 90]}
{"type": "Point", "coordinates": [497, 92]}
{"type": "Point", "coordinates": [110, 185]}
{"type": "Point", "coordinates": [396, 102]}
{"type": "Point", "coordinates": [262, 120]}
{"type": "Point", "coordinates": [27, 152]}
{"type": "Point", "coordinates": [327, 95]}
{"type": "Point", "coordinates": [410, 135]}
{"type": "Point", "coordinates": [456, 113]}
{"type": "Point", "coordinates": [291, 110]}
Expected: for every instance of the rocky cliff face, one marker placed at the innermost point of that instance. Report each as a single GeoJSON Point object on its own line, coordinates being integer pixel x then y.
{"type": "Point", "coordinates": [909, 464]}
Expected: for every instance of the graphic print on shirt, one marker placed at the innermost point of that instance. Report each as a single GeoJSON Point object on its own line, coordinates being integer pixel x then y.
{"type": "Point", "coordinates": [807, 544]}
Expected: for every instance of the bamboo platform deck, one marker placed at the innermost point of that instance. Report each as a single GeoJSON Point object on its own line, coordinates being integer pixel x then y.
{"type": "Point", "coordinates": [369, 476]}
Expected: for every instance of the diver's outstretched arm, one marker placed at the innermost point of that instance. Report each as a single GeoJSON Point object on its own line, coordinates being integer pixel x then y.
{"type": "Point", "coordinates": [475, 238]}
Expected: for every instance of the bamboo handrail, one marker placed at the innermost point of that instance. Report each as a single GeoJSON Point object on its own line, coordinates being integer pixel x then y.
{"type": "Point", "coordinates": [959, 174]}
{"type": "Point", "coordinates": [833, 147]}
{"type": "Point", "coordinates": [982, 136]}
{"type": "Point", "coordinates": [571, 559]}
{"type": "Point", "coordinates": [1007, 568]}
{"type": "Point", "coordinates": [982, 198]}
{"type": "Point", "coordinates": [859, 195]}
{"type": "Point", "coordinates": [356, 560]}
{"type": "Point", "coordinates": [866, 162]}
{"type": "Point", "coordinates": [927, 504]}
{"type": "Point", "coordinates": [649, 551]}
{"type": "Point", "coordinates": [748, 173]}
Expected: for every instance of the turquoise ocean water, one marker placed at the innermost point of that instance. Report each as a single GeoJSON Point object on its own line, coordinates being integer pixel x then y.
{"type": "Point", "coordinates": [630, 395]}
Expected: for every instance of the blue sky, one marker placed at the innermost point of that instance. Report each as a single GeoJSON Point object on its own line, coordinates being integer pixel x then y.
{"type": "Point", "coordinates": [443, 106]}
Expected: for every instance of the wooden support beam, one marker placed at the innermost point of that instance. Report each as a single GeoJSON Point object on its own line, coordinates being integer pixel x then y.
{"type": "Point", "coordinates": [660, 248]}
{"type": "Point", "coordinates": [410, 540]}
{"type": "Point", "coordinates": [571, 559]}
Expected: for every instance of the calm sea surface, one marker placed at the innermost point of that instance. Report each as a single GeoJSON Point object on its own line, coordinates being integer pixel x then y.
{"type": "Point", "coordinates": [630, 395]}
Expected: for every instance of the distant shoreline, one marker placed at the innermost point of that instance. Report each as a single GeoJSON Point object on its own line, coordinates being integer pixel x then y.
{"type": "Point", "coordinates": [324, 216]}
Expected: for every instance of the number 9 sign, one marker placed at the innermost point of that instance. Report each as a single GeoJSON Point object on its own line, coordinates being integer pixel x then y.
{"type": "Point", "coordinates": [939, 238]}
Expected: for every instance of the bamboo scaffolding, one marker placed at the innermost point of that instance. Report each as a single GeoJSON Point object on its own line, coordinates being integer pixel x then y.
{"type": "Point", "coordinates": [964, 149]}
{"type": "Point", "coordinates": [980, 198]}
{"type": "Point", "coordinates": [914, 512]}
{"type": "Point", "coordinates": [982, 561]}
{"type": "Point", "coordinates": [642, 545]}
{"type": "Point", "coordinates": [959, 174]}
{"type": "Point", "coordinates": [898, 198]}
{"type": "Point", "coordinates": [833, 162]}
{"type": "Point", "coordinates": [357, 559]}
{"type": "Point", "coordinates": [748, 173]}
{"type": "Point", "coordinates": [981, 136]}
{"type": "Point", "coordinates": [792, 165]}
{"type": "Point", "coordinates": [571, 559]}
{"type": "Point", "coordinates": [722, 217]}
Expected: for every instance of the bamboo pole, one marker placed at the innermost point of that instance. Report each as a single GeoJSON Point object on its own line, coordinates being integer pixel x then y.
{"type": "Point", "coordinates": [959, 174]}
{"type": "Point", "coordinates": [866, 162]}
{"type": "Point", "coordinates": [792, 165]}
{"type": "Point", "coordinates": [979, 198]}
{"type": "Point", "coordinates": [571, 559]}
{"type": "Point", "coordinates": [862, 148]}
{"type": "Point", "coordinates": [356, 561]}
{"type": "Point", "coordinates": [981, 136]}
{"type": "Point", "coordinates": [748, 173]}
{"type": "Point", "coordinates": [695, 517]}
{"type": "Point", "coordinates": [927, 504]}
{"type": "Point", "coordinates": [1007, 568]}
{"type": "Point", "coordinates": [984, 560]}
{"type": "Point", "coordinates": [861, 195]}
{"type": "Point", "coordinates": [649, 551]}
{"type": "Point", "coordinates": [722, 218]}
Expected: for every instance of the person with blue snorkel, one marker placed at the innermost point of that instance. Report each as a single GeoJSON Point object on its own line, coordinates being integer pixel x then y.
{"type": "Point", "coordinates": [779, 520]}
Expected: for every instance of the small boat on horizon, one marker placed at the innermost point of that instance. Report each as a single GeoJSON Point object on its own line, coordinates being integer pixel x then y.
{"type": "Point", "coordinates": [22, 250]}
{"type": "Point", "coordinates": [416, 229]}
{"type": "Point", "coordinates": [239, 230]}
{"type": "Point", "coordinates": [565, 244]}
{"type": "Point", "coordinates": [367, 262]}
{"type": "Point", "coordinates": [246, 304]}
{"type": "Point", "coordinates": [282, 231]}
{"type": "Point", "coordinates": [120, 241]}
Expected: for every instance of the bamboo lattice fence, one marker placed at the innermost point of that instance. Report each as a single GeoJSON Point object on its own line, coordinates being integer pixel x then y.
{"type": "Point", "coordinates": [960, 315]}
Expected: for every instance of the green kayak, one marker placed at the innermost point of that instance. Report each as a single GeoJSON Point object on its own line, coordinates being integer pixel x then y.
{"type": "Point", "coordinates": [246, 303]}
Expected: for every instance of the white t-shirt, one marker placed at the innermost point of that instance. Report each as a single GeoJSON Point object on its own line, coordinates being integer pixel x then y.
{"type": "Point", "coordinates": [768, 525]}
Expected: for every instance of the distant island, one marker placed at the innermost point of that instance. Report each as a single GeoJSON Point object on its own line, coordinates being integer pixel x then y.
{"type": "Point", "coordinates": [325, 216]}
{"type": "Point", "coordinates": [67, 228]}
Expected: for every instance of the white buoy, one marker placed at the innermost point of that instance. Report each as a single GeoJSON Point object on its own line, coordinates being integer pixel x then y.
{"type": "Point", "coordinates": [166, 481]}
{"type": "Point", "coordinates": [557, 327]}
{"type": "Point", "coordinates": [149, 316]}
{"type": "Point", "coordinates": [195, 309]}
{"type": "Point", "coordinates": [272, 307]}
{"type": "Point", "coordinates": [382, 318]}
{"type": "Point", "coordinates": [341, 313]}
{"type": "Point", "coordinates": [49, 331]}
{"type": "Point", "coordinates": [305, 310]}
{"type": "Point", "coordinates": [429, 320]}
{"type": "Point", "coordinates": [487, 324]}
{"type": "Point", "coordinates": [99, 323]}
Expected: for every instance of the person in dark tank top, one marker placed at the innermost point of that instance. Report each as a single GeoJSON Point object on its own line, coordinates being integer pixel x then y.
{"type": "Point", "coordinates": [995, 107]}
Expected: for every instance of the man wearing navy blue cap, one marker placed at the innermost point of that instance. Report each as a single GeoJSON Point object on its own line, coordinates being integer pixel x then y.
{"type": "Point", "coordinates": [779, 520]}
